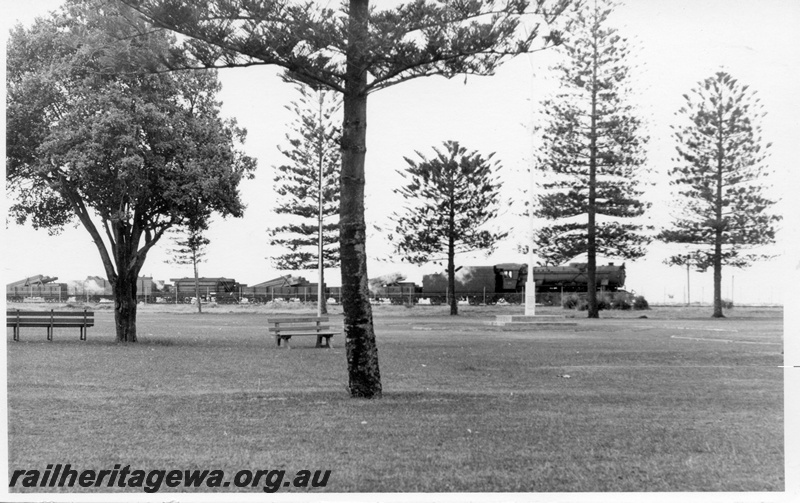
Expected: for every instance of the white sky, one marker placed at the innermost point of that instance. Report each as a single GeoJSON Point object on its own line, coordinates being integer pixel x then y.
{"type": "Point", "coordinates": [680, 43]}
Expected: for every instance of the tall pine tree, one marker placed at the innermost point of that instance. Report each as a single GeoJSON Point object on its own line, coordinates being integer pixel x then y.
{"type": "Point", "coordinates": [452, 198]}
{"type": "Point", "coordinates": [718, 175]}
{"type": "Point", "coordinates": [308, 186]}
{"type": "Point", "coordinates": [592, 150]}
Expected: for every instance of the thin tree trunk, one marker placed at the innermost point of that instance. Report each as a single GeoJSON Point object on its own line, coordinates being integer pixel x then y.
{"type": "Point", "coordinates": [322, 306]}
{"type": "Point", "coordinates": [718, 216]}
{"type": "Point", "coordinates": [591, 250]}
{"type": "Point", "coordinates": [451, 253]}
{"type": "Point", "coordinates": [451, 277]}
{"type": "Point", "coordinates": [362, 350]}
{"type": "Point", "coordinates": [196, 282]}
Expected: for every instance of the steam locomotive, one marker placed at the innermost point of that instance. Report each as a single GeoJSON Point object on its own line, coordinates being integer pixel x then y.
{"type": "Point", "coordinates": [504, 283]}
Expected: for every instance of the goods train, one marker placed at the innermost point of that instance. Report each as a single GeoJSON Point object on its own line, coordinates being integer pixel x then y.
{"type": "Point", "coordinates": [501, 283]}
{"type": "Point", "coordinates": [227, 290]}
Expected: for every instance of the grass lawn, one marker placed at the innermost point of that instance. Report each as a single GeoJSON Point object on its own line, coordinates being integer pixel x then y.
{"type": "Point", "coordinates": [673, 402]}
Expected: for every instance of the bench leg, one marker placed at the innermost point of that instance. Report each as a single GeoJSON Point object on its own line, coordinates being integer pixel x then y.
{"type": "Point", "coordinates": [327, 344]}
{"type": "Point", "coordinates": [49, 333]}
{"type": "Point", "coordinates": [16, 334]}
{"type": "Point", "coordinates": [285, 341]}
{"type": "Point", "coordinates": [83, 333]}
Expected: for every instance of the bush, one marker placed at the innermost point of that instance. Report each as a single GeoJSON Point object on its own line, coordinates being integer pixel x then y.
{"type": "Point", "coordinates": [640, 303]}
{"type": "Point", "coordinates": [727, 304]}
{"type": "Point", "coordinates": [621, 301]}
{"type": "Point", "coordinates": [570, 301]}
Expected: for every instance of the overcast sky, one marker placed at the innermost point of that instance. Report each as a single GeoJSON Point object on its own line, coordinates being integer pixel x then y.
{"type": "Point", "coordinates": [679, 43]}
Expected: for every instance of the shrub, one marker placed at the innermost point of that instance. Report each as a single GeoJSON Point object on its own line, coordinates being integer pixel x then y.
{"type": "Point", "coordinates": [727, 304]}
{"type": "Point", "coordinates": [603, 302]}
{"type": "Point", "coordinates": [640, 303]}
{"type": "Point", "coordinates": [570, 301]}
{"type": "Point", "coordinates": [621, 301]}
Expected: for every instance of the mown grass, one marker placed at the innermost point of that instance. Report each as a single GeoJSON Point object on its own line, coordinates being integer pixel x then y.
{"type": "Point", "coordinates": [656, 404]}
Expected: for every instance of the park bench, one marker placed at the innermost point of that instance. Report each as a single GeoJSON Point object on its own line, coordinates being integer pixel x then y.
{"type": "Point", "coordinates": [284, 329]}
{"type": "Point", "coordinates": [49, 319]}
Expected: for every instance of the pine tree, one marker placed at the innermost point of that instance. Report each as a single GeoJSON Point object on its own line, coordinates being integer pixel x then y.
{"type": "Point", "coordinates": [451, 198]}
{"type": "Point", "coordinates": [189, 248]}
{"type": "Point", "coordinates": [719, 174]}
{"type": "Point", "coordinates": [307, 186]}
{"type": "Point", "coordinates": [592, 150]}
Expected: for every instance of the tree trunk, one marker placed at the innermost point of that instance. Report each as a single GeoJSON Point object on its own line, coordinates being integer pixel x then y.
{"type": "Point", "coordinates": [717, 281]}
{"type": "Point", "coordinates": [451, 276]}
{"type": "Point", "coordinates": [591, 245]}
{"type": "Point", "coordinates": [451, 252]}
{"type": "Point", "coordinates": [718, 216]}
{"type": "Point", "coordinates": [124, 288]}
{"type": "Point", "coordinates": [196, 283]}
{"type": "Point", "coordinates": [362, 351]}
{"type": "Point", "coordinates": [322, 306]}
{"type": "Point", "coordinates": [322, 301]}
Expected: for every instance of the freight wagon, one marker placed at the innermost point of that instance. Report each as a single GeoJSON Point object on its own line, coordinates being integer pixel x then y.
{"type": "Point", "coordinates": [37, 287]}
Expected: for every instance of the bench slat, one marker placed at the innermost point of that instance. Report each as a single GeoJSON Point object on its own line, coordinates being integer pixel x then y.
{"type": "Point", "coordinates": [48, 317]}
{"type": "Point", "coordinates": [23, 314]}
{"type": "Point", "coordinates": [47, 323]}
{"type": "Point", "coordinates": [299, 328]}
{"type": "Point", "coordinates": [303, 334]}
{"type": "Point", "coordinates": [302, 319]}
{"type": "Point", "coordinates": [56, 319]}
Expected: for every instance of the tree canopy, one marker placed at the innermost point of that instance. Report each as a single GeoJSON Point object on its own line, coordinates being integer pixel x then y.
{"type": "Point", "coordinates": [416, 39]}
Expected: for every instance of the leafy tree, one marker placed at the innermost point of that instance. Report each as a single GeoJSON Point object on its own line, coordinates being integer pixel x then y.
{"type": "Point", "coordinates": [719, 174]}
{"type": "Point", "coordinates": [307, 187]}
{"type": "Point", "coordinates": [128, 154]}
{"type": "Point", "coordinates": [592, 150]}
{"type": "Point", "coordinates": [451, 198]}
{"type": "Point", "coordinates": [355, 51]}
{"type": "Point", "coordinates": [189, 248]}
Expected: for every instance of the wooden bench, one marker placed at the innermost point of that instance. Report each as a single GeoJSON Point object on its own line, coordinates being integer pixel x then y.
{"type": "Point", "coordinates": [49, 319]}
{"type": "Point", "coordinates": [284, 329]}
